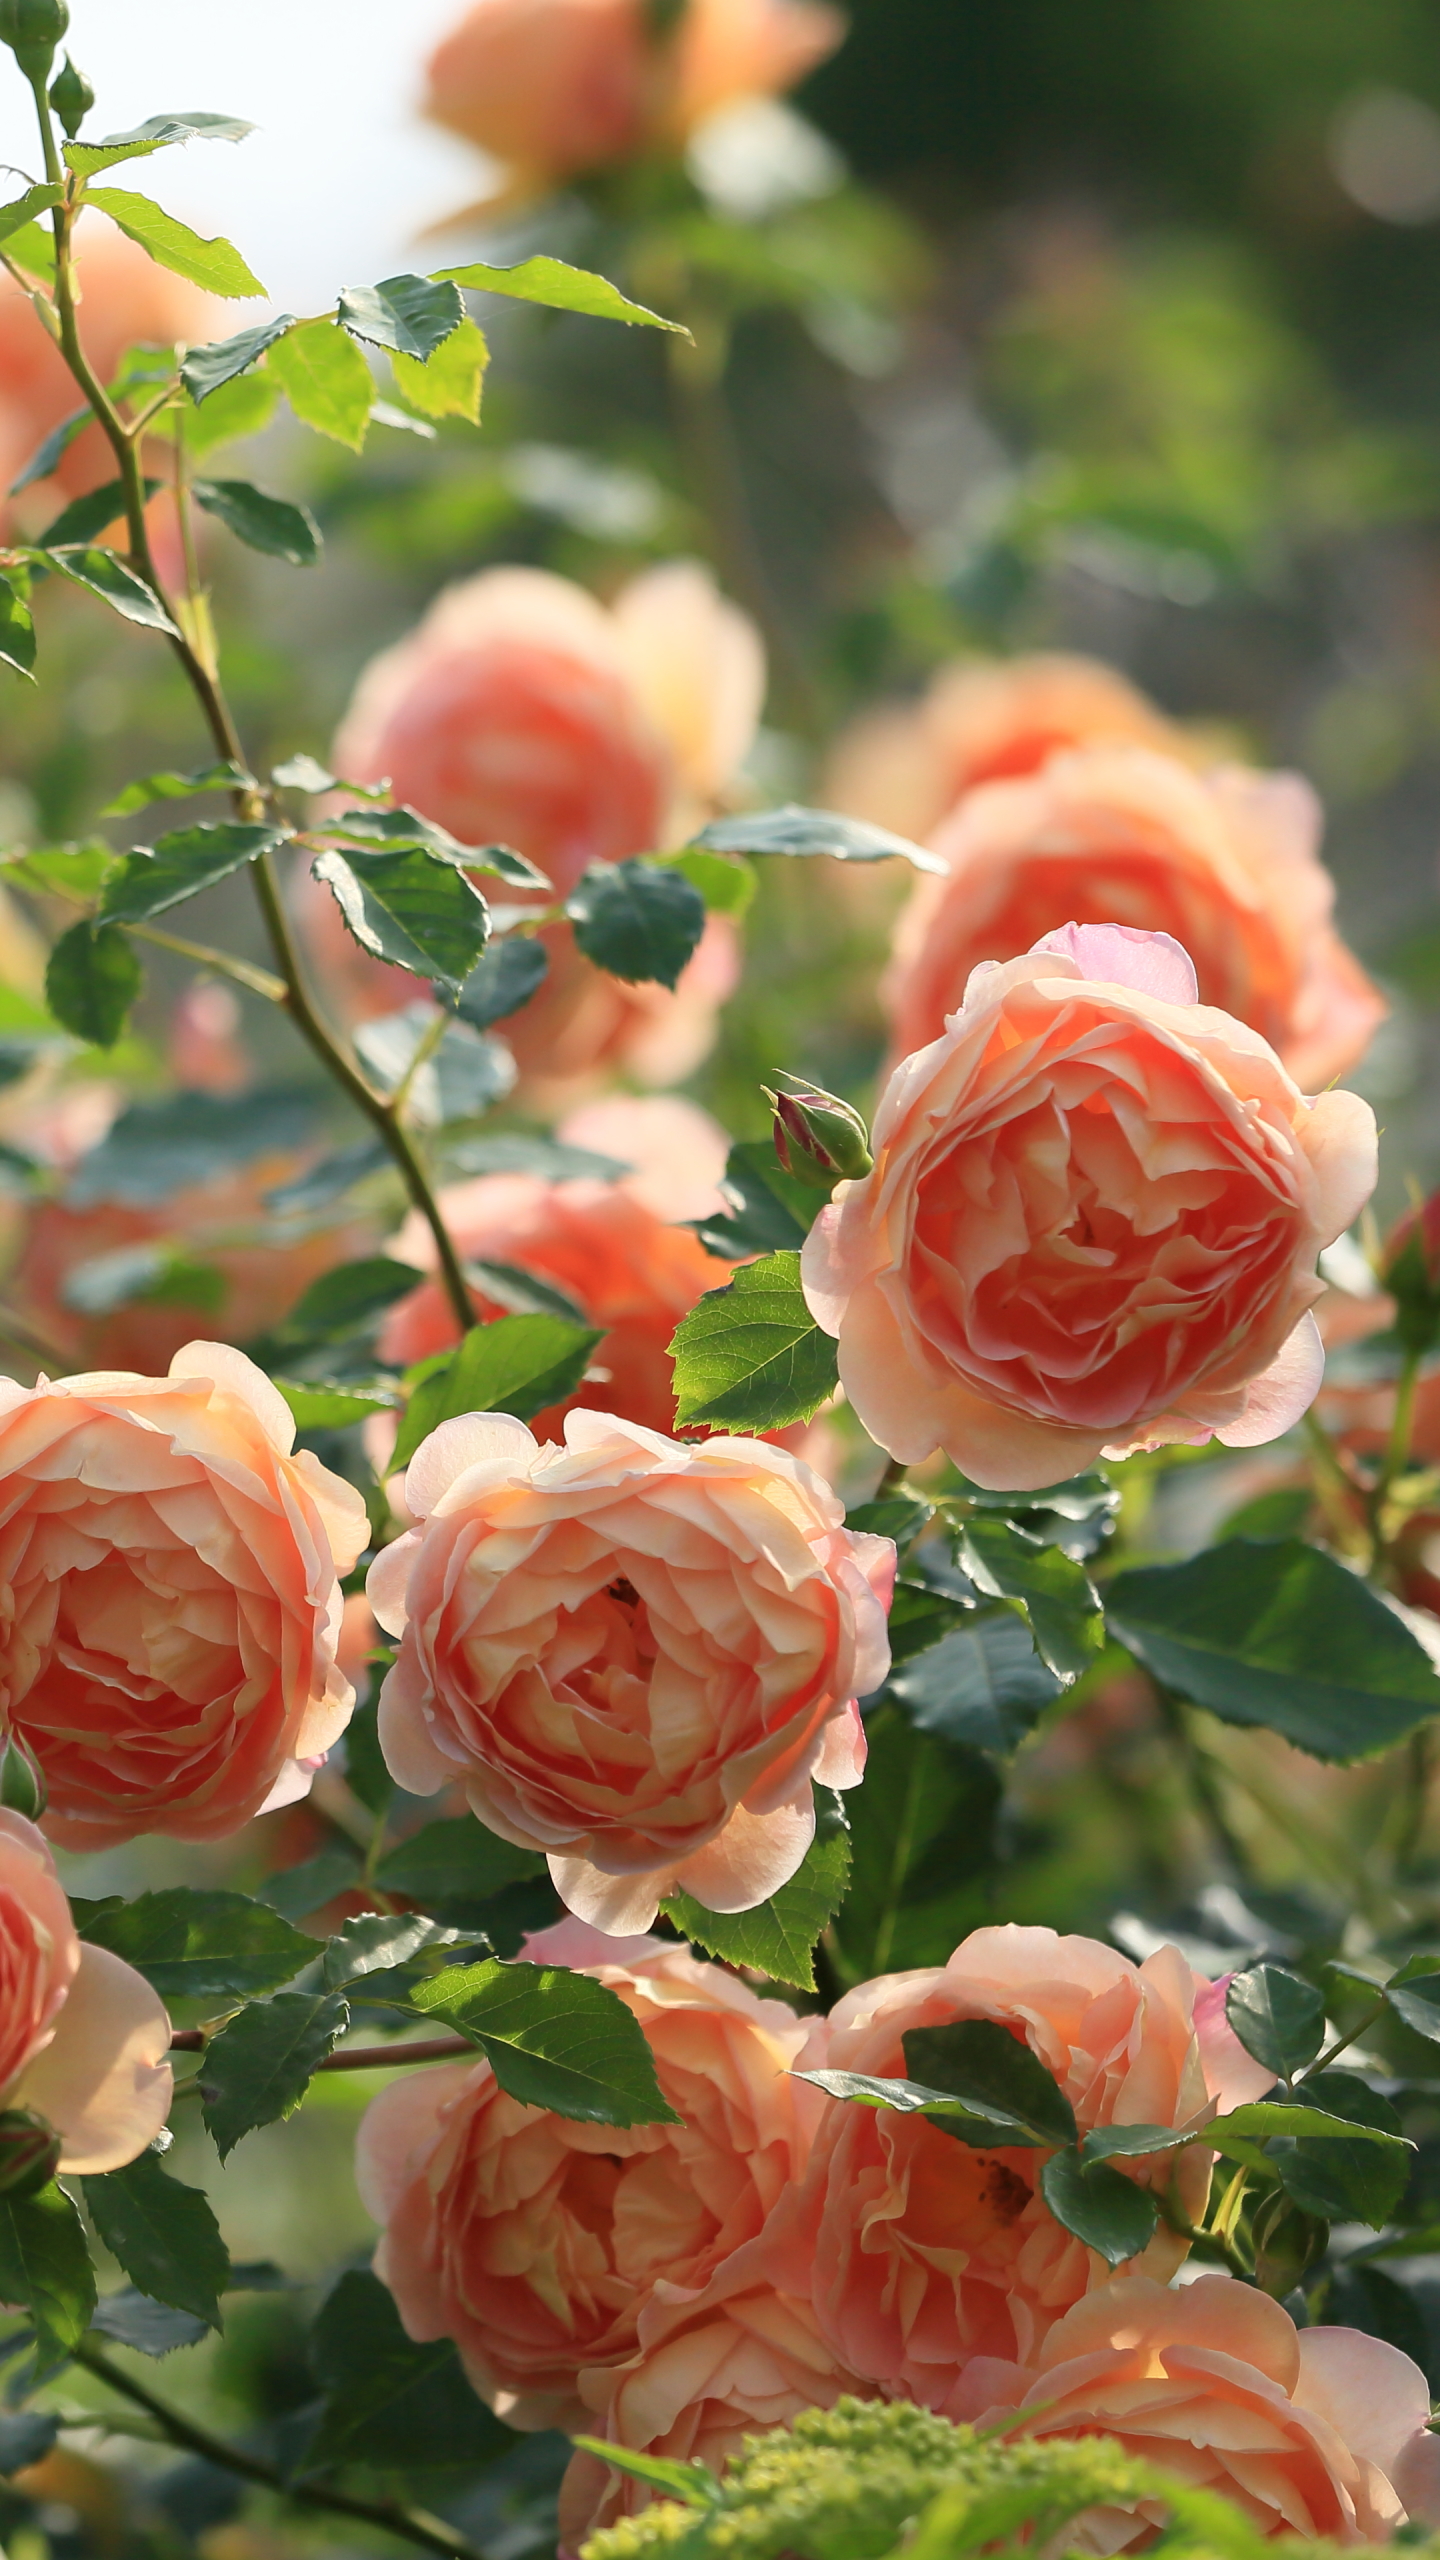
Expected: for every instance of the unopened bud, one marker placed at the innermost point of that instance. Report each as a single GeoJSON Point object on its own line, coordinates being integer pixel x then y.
{"type": "Point", "coordinates": [32, 29]}
{"type": "Point", "coordinates": [29, 2150]}
{"type": "Point", "coordinates": [22, 1781]}
{"type": "Point", "coordinates": [71, 96]}
{"type": "Point", "coordinates": [818, 1138]}
{"type": "Point", "coordinates": [1410, 1270]}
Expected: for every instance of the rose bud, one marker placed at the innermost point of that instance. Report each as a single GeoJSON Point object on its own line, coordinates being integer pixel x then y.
{"type": "Point", "coordinates": [72, 97]}
{"type": "Point", "coordinates": [819, 1139]}
{"type": "Point", "coordinates": [32, 29]}
{"type": "Point", "coordinates": [1410, 1270]}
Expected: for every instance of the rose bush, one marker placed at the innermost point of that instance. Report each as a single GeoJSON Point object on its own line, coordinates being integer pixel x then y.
{"type": "Point", "coordinates": [634, 1655]}
{"type": "Point", "coordinates": [1092, 1224]}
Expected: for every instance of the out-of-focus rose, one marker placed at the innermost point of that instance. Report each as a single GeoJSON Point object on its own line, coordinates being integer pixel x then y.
{"type": "Point", "coordinates": [83, 2038]}
{"type": "Point", "coordinates": [1318, 2432]}
{"type": "Point", "coordinates": [635, 1654]}
{"type": "Point", "coordinates": [541, 2245]}
{"type": "Point", "coordinates": [675, 1152]}
{"type": "Point", "coordinates": [554, 87]}
{"type": "Point", "coordinates": [206, 1051]}
{"type": "Point", "coordinates": [1227, 862]}
{"type": "Point", "coordinates": [169, 1597]}
{"type": "Point", "coordinates": [920, 2253]}
{"type": "Point", "coordinates": [1092, 1225]}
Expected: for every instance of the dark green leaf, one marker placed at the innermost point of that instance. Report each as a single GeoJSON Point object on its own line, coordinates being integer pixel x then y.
{"type": "Point", "coordinates": [767, 1210]}
{"type": "Point", "coordinates": [158, 1148]}
{"type": "Point", "coordinates": [92, 979]}
{"type": "Point", "coordinates": [448, 383]}
{"type": "Point", "coordinates": [354, 1294]}
{"type": "Point", "coordinates": [411, 314]}
{"type": "Point", "coordinates": [85, 519]}
{"type": "Point", "coordinates": [326, 380]}
{"type": "Point", "coordinates": [259, 2067]}
{"type": "Point", "coordinates": [175, 786]}
{"type": "Point", "coordinates": [988, 2069]}
{"type": "Point", "coordinates": [1364, 2297]}
{"type": "Point", "coordinates": [559, 287]}
{"type": "Point", "coordinates": [514, 1290]}
{"type": "Point", "coordinates": [165, 2236]}
{"type": "Point", "coordinates": [454, 1868]}
{"type": "Point", "coordinates": [385, 1943]}
{"type": "Point", "coordinates": [503, 979]}
{"type": "Point", "coordinates": [297, 1891]}
{"type": "Point", "coordinates": [322, 1408]}
{"type": "Point", "coordinates": [520, 1151]}
{"type": "Point", "coordinates": [403, 830]}
{"type": "Point", "coordinates": [179, 865]}
{"type": "Point", "coordinates": [104, 574]}
{"type": "Point", "coordinates": [750, 1357]}
{"type": "Point", "coordinates": [1277, 2017]}
{"type": "Point", "coordinates": [691, 2482]}
{"type": "Point", "coordinates": [213, 264]}
{"type": "Point", "coordinates": [26, 2436]}
{"type": "Point", "coordinates": [466, 1074]}
{"type": "Point", "coordinates": [518, 1364]}
{"type": "Point", "coordinates": [1104, 2208]}
{"type": "Point", "coordinates": [132, 2319]}
{"type": "Point", "coordinates": [900, 1516]}
{"type": "Point", "coordinates": [193, 1945]}
{"type": "Point", "coordinates": [17, 624]}
{"type": "Point", "coordinates": [1057, 1593]}
{"type": "Point", "coordinates": [636, 919]}
{"type": "Point", "coordinates": [923, 1849]}
{"type": "Point", "coordinates": [1281, 1513]}
{"type": "Point", "coordinates": [812, 831]}
{"type": "Point", "coordinates": [1354, 2181]}
{"type": "Point", "coordinates": [408, 908]}
{"type": "Point", "coordinates": [1132, 2141]}
{"type": "Point", "coordinates": [23, 209]}
{"type": "Point", "coordinates": [47, 456]}
{"type": "Point", "coordinates": [206, 369]}
{"type": "Point", "coordinates": [553, 2039]}
{"type": "Point", "coordinates": [45, 2268]}
{"type": "Point", "coordinates": [1282, 1636]}
{"type": "Point", "coordinates": [1417, 2002]}
{"type": "Point", "coordinates": [286, 531]}
{"type": "Point", "coordinates": [329, 1180]}
{"type": "Point", "coordinates": [391, 2404]}
{"type": "Point", "coordinates": [779, 1937]}
{"type": "Point", "coordinates": [983, 1685]}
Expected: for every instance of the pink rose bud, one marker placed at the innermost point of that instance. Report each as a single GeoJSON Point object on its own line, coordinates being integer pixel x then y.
{"type": "Point", "coordinates": [818, 1138]}
{"type": "Point", "coordinates": [1410, 1270]}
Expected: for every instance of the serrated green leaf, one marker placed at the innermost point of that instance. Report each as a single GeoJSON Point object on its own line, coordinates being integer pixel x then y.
{"type": "Point", "coordinates": [23, 209]}
{"type": "Point", "coordinates": [175, 786]}
{"type": "Point", "coordinates": [391, 2404]}
{"type": "Point", "coordinates": [104, 574]}
{"type": "Point", "coordinates": [639, 920]}
{"type": "Point", "coordinates": [797, 831]}
{"type": "Point", "coordinates": [448, 383]}
{"type": "Point", "coordinates": [45, 2267]}
{"type": "Point", "coordinates": [383, 1942]}
{"type": "Point", "coordinates": [17, 625]}
{"type": "Point", "coordinates": [983, 1685]}
{"type": "Point", "coordinates": [411, 315]}
{"type": "Point", "coordinates": [259, 2067]}
{"type": "Point", "coordinates": [237, 409]}
{"type": "Point", "coordinates": [412, 909]}
{"type": "Point", "coordinates": [1277, 2017]}
{"type": "Point", "coordinates": [75, 872]}
{"type": "Point", "coordinates": [206, 369]}
{"type": "Point", "coordinates": [559, 287]}
{"type": "Point", "coordinates": [151, 2328]}
{"type": "Point", "coordinates": [326, 380]}
{"type": "Point", "coordinates": [1417, 2003]}
{"type": "Point", "coordinates": [750, 1357]}
{"type": "Point", "coordinates": [505, 977]}
{"type": "Point", "coordinates": [267, 524]}
{"type": "Point", "coordinates": [1108, 2211]}
{"type": "Point", "coordinates": [517, 1364]}
{"type": "Point", "coordinates": [178, 866]}
{"type": "Point", "coordinates": [193, 1945]}
{"type": "Point", "coordinates": [353, 1295]}
{"type": "Point", "coordinates": [778, 1937]}
{"type": "Point", "coordinates": [158, 1148]}
{"type": "Point", "coordinates": [553, 2039]}
{"type": "Point", "coordinates": [214, 264]}
{"type": "Point", "coordinates": [982, 2064]}
{"type": "Point", "coordinates": [156, 134]}
{"type": "Point", "coordinates": [451, 1868]}
{"type": "Point", "coordinates": [92, 979]}
{"type": "Point", "coordinates": [1059, 1598]}
{"type": "Point", "coordinates": [403, 830]}
{"type": "Point", "coordinates": [1355, 2180]}
{"type": "Point", "coordinates": [164, 2235]}
{"type": "Point", "coordinates": [767, 1210]}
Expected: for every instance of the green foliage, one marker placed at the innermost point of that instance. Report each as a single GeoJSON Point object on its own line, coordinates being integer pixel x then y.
{"type": "Point", "coordinates": [983, 1685]}
{"type": "Point", "coordinates": [560, 287]}
{"type": "Point", "coordinates": [103, 574]}
{"type": "Point", "coordinates": [448, 382]}
{"type": "Point", "coordinates": [1277, 2017]}
{"type": "Point", "coordinates": [201, 1945]}
{"type": "Point", "coordinates": [178, 866]}
{"type": "Point", "coordinates": [1058, 1596]}
{"type": "Point", "coordinates": [206, 369]}
{"type": "Point", "coordinates": [213, 264]}
{"type": "Point", "coordinates": [45, 2267]}
{"type": "Point", "coordinates": [342, 1301]}
{"type": "Point", "coordinates": [403, 830]}
{"type": "Point", "coordinates": [17, 624]}
{"type": "Point", "coordinates": [413, 909]}
{"type": "Point", "coordinates": [326, 380]}
{"type": "Point", "coordinates": [1104, 2208]}
{"type": "Point", "coordinates": [779, 1937]}
{"type": "Point", "coordinates": [995, 2078]}
{"type": "Point", "coordinates": [750, 1356]}
{"type": "Point", "coordinates": [165, 2236]}
{"type": "Point", "coordinates": [552, 2039]}
{"type": "Point", "coordinates": [455, 1868]}
{"type": "Point", "coordinates": [506, 975]}
{"type": "Point", "coordinates": [92, 979]}
{"type": "Point", "coordinates": [517, 1364]}
{"type": "Point", "coordinates": [793, 830]}
{"type": "Point", "coordinates": [408, 314]}
{"type": "Point", "coordinates": [157, 133]}
{"type": "Point", "coordinates": [767, 1210]}
{"type": "Point", "coordinates": [87, 517]}
{"type": "Point", "coordinates": [639, 920]}
{"type": "Point", "coordinates": [390, 2403]}
{"type": "Point", "coordinates": [285, 531]}
{"type": "Point", "coordinates": [23, 209]}
{"type": "Point", "coordinates": [259, 2067]}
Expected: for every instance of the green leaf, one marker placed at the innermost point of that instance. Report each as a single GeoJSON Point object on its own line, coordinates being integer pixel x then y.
{"type": "Point", "coordinates": [403, 830]}
{"type": "Point", "coordinates": [505, 977]}
{"type": "Point", "coordinates": [259, 2067]}
{"type": "Point", "coordinates": [297, 1891]}
{"type": "Point", "coordinates": [17, 624]}
{"type": "Point", "coordinates": [178, 866]}
{"type": "Point", "coordinates": [793, 830]}
{"type": "Point", "coordinates": [386, 1943]}
{"type": "Point", "coordinates": [238, 409]}
{"type": "Point", "coordinates": [900, 1516]}
{"type": "Point", "coordinates": [326, 380]}
{"type": "Point", "coordinates": [158, 1148]}
{"type": "Point", "coordinates": [1277, 2017]}
{"type": "Point", "coordinates": [151, 2328]}
{"type": "Point", "coordinates": [1059, 1598]}
{"type": "Point", "coordinates": [23, 209]}
{"type": "Point", "coordinates": [57, 444]}
{"type": "Point", "coordinates": [85, 519]}
{"type": "Point", "coordinates": [552, 2039]}
{"type": "Point", "coordinates": [778, 1937]}
{"type": "Point", "coordinates": [208, 368]}
{"type": "Point", "coordinates": [525, 1151]}
{"type": "Point", "coordinates": [1282, 1636]}
{"type": "Point", "coordinates": [767, 1210]}
{"type": "Point", "coordinates": [213, 264]}
{"type": "Point", "coordinates": [750, 1356]}
{"type": "Point", "coordinates": [33, 248]}
{"type": "Point", "coordinates": [1417, 2003]}
{"type": "Point", "coordinates": [103, 573]}
{"type": "Point", "coordinates": [1354, 2181]}
{"type": "Point", "coordinates": [688, 2481]}
{"type": "Point", "coordinates": [411, 909]}
{"type": "Point", "coordinates": [1108, 2211]}
{"type": "Point", "coordinates": [75, 872]}
{"type": "Point", "coordinates": [410, 314]}
{"type": "Point", "coordinates": [448, 383]}
{"type": "Point", "coordinates": [1280, 1513]}
{"type": "Point", "coordinates": [726, 885]}
{"type": "Point", "coordinates": [391, 2404]}
{"type": "Point", "coordinates": [453, 1868]}
{"type": "Point", "coordinates": [45, 2268]}
{"type": "Point", "coordinates": [194, 1945]}
{"type": "Point", "coordinates": [165, 2236]}
{"type": "Point", "coordinates": [175, 786]}
{"type": "Point", "coordinates": [92, 979]}
{"type": "Point", "coordinates": [988, 2069]}
{"type": "Point", "coordinates": [322, 1408]}
{"type": "Point", "coordinates": [518, 1364]}
{"type": "Point", "coordinates": [156, 134]}
{"type": "Point", "coordinates": [354, 1294]}
{"type": "Point", "coordinates": [983, 1685]}
{"type": "Point", "coordinates": [26, 2436]}
{"type": "Point", "coordinates": [330, 1179]}
{"type": "Point", "coordinates": [286, 532]}
{"type": "Point", "coordinates": [559, 287]}
{"type": "Point", "coordinates": [636, 919]}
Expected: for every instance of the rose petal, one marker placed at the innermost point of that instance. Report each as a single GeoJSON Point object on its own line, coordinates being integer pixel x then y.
{"type": "Point", "coordinates": [1275, 1400]}
{"type": "Point", "coordinates": [103, 2081]}
{"type": "Point", "coordinates": [1124, 956]}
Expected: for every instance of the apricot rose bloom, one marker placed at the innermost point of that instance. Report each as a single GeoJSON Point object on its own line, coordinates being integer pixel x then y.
{"type": "Point", "coordinates": [919, 2253]}
{"type": "Point", "coordinates": [543, 2246]}
{"type": "Point", "coordinates": [634, 1654]}
{"type": "Point", "coordinates": [1319, 2432]}
{"type": "Point", "coordinates": [1092, 1226]}
{"type": "Point", "coordinates": [1227, 862]}
{"type": "Point", "coordinates": [169, 1597]}
{"type": "Point", "coordinates": [83, 2038]}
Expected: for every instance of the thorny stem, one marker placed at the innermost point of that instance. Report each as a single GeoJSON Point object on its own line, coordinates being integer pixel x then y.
{"type": "Point", "coordinates": [410, 2524]}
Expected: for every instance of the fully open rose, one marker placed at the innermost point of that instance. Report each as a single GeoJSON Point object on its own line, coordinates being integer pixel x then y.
{"type": "Point", "coordinates": [83, 2038]}
{"type": "Point", "coordinates": [169, 1596]}
{"type": "Point", "coordinates": [1313, 2431]}
{"type": "Point", "coordinates": [1093, 1222]}
{"type": "Point", "coordinates": [920, 2253]}
{"type": "Point", "coordinates": [634, 1654]}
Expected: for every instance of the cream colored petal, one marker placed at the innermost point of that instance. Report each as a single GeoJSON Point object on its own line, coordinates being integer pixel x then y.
{"type": "Point", "coordinates": [620, 1906]}
{"type": "Point", "coordinates": [493, 1440]}
{"type": "Point", "coordinates": [103, 2081]}
{"type": "Point", "coordinates": [230, 1369]}
{"type": "Point", "coordinates": [1278, 1397]}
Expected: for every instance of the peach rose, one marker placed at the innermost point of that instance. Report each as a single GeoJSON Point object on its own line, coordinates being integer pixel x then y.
{"type": "Point", "coordinates": [1226, 862]}
{"type": "Point", "coordinates": [83, 2038]}
{"type": "Point", "coordinates": [636, 1655]}
{"type": "Point", "coordinates": [1092, 1225]}
{"type": "Point", "coordinates": [538, 2243]}
{"type": "Point", "coordinates": [1318, 2432]}
{"type": "Point", "coordinates": [920, 2253]}
{"type": "Point", "coordinates": [169, 1597]}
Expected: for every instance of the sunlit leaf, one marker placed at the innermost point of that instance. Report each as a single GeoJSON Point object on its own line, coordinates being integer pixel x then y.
{"type": "Point", "coordinates": [215, 264]}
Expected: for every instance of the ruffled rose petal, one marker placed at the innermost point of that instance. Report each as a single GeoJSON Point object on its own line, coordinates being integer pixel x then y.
{"type": "Point", "coordinates": [1275, 1400]}
{"type": "Point", "coordinates": [491, 1440]}
{"type": "Point", "coordinates": [103, 2081]}
{"type": "Point", "coordinates": [230, 1369]}
{"type": "Point", "coordinates": [619, 1906]}
{"type": "Point", "coordinates": [752, 1857]}
{"type": "Point", "coordinates": [1122, 955]}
